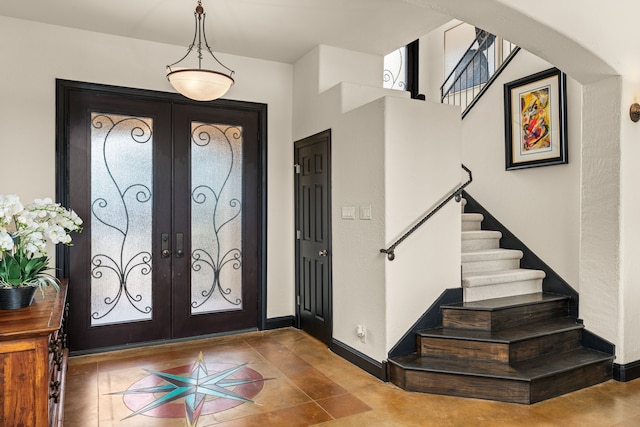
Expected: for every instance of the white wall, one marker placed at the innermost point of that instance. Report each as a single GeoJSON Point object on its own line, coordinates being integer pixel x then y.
{"type": "Point", "coordinates": [609, 34]}
{"type": "Point", "coordinates": [399, 157]}
{"type": "Point", "coordinates": [600, 216]}
{"type": "Point", "coordinates": [629, 315]}
{"type": "Point", "coordinates": [27, 116]}
{"type": "Point", "coordinates": [358, 268]}
{"type": "Point", "coordinates": [359, 286]}
{"type": "Point", "coordinates": [422, 167]}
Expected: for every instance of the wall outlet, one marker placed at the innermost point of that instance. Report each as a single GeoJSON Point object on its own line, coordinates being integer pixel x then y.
{"type": "Point", "coordinates": [361, 333]}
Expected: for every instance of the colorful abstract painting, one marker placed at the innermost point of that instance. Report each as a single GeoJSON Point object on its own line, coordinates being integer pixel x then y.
{"type": "Point", "coordinates": [535, 109]}
{"type": "Point", "coordinates": [536, 120]}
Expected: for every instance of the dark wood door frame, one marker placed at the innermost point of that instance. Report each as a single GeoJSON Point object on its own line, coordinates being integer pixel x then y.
{"type": "Point", "coordinates": [311, 320]}
{"type": "Point", "coordinates": [64, 88]}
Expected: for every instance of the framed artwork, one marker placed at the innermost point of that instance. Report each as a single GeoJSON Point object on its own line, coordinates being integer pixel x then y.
{"type": "Point", "coordinates": [535, 112]}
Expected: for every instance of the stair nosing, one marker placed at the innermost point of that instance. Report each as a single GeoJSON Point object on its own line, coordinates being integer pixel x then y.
{"type": "Point", "coordinates": [598, 357]}
{"type": "Point", "coordinates": [601, 358]}
{"type": "Point", "coordinates": [568, 327]}
{"type": "Point", "coordinates": [474, 305]}
{"type": "Point", "coordinates": [496, 254]}
{"type": "Point", "coordinates": [507, 272]}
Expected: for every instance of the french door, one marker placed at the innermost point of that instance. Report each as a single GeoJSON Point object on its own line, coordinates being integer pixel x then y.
{"type": "Point", "coordinates": [171, 198]}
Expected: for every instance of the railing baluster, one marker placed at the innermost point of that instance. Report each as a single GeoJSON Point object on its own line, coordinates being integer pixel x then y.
{"type": "Point", "coordinates": [453, 86]}
{"type": "Point", "coordinates": [457, 194]}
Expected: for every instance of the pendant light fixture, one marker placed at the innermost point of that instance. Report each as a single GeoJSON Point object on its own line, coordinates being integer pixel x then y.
{"type": "Point", "coordinates": [199, 83]}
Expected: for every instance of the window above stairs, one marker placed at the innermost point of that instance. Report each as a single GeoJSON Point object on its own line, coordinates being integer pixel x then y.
{"type": "Point", "coordinates": [478, 66]}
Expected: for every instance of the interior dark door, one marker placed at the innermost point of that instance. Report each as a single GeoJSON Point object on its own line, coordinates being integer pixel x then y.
{"type": "Point", "coordinates": [171, 198]}
{"type": "Point", "coordinates": [313, 235]}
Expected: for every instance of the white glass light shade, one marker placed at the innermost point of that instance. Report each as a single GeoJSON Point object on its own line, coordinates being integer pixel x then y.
{"type": "Point", "coordinates": [198, 84]}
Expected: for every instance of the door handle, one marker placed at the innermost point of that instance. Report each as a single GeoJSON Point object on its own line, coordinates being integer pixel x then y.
{"type": "Point", "coordinates": [323, 252]}
{"type": "Point", "coordinates": [179, 245]}
{"type": "Point", "coordinates": [164, 246]}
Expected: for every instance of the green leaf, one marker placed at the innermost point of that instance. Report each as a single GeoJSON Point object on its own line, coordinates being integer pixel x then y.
{"type": "Point", "coordinates": [34, 266]}
{"type": "Point", "coordinates": [46, 279]}
{"type": "Point", "coordinates": [20, 268]}
{"type": "Point", "coordinates": [14, 270]}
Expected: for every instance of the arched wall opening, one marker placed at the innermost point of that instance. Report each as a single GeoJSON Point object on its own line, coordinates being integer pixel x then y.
{"type": "Point", "coordinates": [607, 284]}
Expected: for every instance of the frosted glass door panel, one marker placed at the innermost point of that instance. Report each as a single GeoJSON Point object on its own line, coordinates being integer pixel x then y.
{"type": "Point", "coordinates": [121, 218]}
{"type": "Point", "coordinates": [216, 218]}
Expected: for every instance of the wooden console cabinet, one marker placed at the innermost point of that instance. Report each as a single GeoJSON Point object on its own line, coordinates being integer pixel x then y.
{"type": "Point", "coordinates": [33, 361]}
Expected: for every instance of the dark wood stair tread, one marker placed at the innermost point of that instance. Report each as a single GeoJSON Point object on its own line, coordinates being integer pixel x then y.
{"type": "Point", "coordinates": [505, 336]}
{"type": "Point", "coordinates": [506, 302]}
{"type": "Point", "coordinates": [540, 367]}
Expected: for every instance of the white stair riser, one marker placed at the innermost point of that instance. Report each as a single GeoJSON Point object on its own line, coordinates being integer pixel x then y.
{"type": "Point", "coordinates": [469, 245]}
{"type": "Point", "coordinates": [502, 290]}
{"type": "Point", "coordinates": [471, 225]}
{"type": "Point", "coordinates": [487, 270]}
{"type": "Point", "coordinates": [492, 265]}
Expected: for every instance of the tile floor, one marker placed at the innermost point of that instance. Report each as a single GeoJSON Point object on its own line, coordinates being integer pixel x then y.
{"type": "Point", "coordinates": [304, 384]}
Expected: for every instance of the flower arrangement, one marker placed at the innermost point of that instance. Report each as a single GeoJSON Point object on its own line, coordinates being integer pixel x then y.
{"type": "Point", "coordinates": [24, 232]}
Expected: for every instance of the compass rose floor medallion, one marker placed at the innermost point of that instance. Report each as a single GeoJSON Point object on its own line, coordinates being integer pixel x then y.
{"type": "Point", "coordinates": [190, 391]}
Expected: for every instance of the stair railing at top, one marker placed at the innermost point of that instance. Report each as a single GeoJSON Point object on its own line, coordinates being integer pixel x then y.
{"type": "Point", "coordinates": [457, 194]}
{"type": "Point", "coordinates": [480, 65]}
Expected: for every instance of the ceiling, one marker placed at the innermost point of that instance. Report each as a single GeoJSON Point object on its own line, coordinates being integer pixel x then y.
{"type": "Point", "coordinates": [277, 30]}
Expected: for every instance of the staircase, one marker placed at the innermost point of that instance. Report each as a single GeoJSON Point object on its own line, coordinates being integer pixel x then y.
{"type": "Point", "coordinates": [508, 340]}
{"type": "Point", "coordinates": [487, 270]}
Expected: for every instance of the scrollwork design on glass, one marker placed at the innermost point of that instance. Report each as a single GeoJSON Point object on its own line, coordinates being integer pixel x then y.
{"type": "Point", "coordinates": [222, 207]}
{"type": "Point", "coordinates": [115, 214]}
{"type": "Point", "coordinates": [395, 78]}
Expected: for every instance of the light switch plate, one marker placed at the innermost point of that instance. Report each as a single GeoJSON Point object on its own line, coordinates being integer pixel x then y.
{"type": "Point", "coordinates": [365, 212]}
{"type": "Point", "coordinates": [348, 212]}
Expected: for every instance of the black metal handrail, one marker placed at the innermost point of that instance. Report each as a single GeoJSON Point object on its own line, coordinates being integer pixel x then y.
{"type": "Point", "coordinates": [457, 194]}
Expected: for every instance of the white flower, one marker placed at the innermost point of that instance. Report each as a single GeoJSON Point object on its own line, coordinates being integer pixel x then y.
{"type": "Point", "coordinates": [31, 248]}
{"type": "Point", "coordinates": [6, 241]}
{"type": "Point", "coordinates": [33, 236]}
{"type": "Point", "coordinates": [9, 206]}
{"type": "Point", "coordinates": [75, 218]}
{"type": "Point", "coordinates": [43, 202]}
{"type": "Point", "coordinates": [24, 232]}
{"type": "Point", "coordinates": [33, 225]}
{"type": "Point", "coordinates": [56, 234]}
{"type": "Point", "coordinates": [26, 218]}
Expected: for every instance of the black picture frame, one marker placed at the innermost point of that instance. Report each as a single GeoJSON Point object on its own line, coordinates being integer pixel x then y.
{"type": "Point", "coordinates": [535, 111]}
